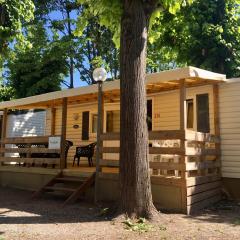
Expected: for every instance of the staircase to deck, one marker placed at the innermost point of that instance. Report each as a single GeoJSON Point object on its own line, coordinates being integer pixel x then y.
{"type": "Point", "coordinates": [72, 187]}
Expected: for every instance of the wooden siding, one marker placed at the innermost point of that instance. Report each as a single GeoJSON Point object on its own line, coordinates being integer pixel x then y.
{"type": "Point", "coordinates": [166, 116]}
{"type": "Point", "coordinates": [230, 129]}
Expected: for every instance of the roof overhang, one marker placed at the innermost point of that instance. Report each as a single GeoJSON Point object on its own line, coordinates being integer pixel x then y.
{"type": "Point", "coordinates": [155, 82]}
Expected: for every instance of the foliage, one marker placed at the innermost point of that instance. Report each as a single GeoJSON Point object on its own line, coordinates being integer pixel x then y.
{"type": "Point", "coordinates": [139, 226]}
{"type": "Point", "coordinates": [39, 68]}
{"type": "Point", "coordinates": [97, 50]}
{"type": "Point", "coordinates": [205, 34]}
{"type": "Point", "coordinates": [12, 15]}
{"type": "Point", "coordinates": [93, 48]}
{"type": "Point", "coordinates": [109, 14]}
{"type": "Point", "coordinates": [6, 93]}
{"type": "Point", "coordinates": [160, 58]}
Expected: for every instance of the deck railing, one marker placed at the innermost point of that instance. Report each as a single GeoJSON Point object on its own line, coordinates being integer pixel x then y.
{"type": "Point", "coordinates": [28, 151]}
{"type": "Point", "coordinates": [173, 153]}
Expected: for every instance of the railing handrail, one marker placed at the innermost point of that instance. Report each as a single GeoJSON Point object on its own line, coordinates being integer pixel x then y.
{"type": "Point", "coordinates": [27, 139]}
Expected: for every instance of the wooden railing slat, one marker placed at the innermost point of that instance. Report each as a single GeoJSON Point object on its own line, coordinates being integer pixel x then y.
{"type": "Point", "coordinates": [29, 150]}
{"type": "Point", "coordinates": [19, 140]}
{"type": "Point", "coordinates": [202, 165]}
{"type": "Point", "coordinates": [30, 160]}
{"type": "Point", "coordinates": [166, 150]}
{"type": "Point", "coordinates": [167, 165]}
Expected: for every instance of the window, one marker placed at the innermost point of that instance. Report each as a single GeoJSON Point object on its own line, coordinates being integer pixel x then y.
{"type": "Point", "coordinates": [113, 121]}
{"type": "Point", "coordinates": [149, 114]}
{"type": "Point", "coordinates": [190, 113]}
{"type": "Point", "coordinates": [203, 113]}
{"type": "Point", "coordinates": [94, 123]}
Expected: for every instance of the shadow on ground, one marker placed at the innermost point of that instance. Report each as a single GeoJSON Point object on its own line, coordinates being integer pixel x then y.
{"type": "Point", "coordinates": [223, 212]}
{"type": "Point", "coordinates": [17, 208]}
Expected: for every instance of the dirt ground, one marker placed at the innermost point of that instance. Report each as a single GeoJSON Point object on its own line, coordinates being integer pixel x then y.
{"type": "Point", "coordinates": [23, 219]}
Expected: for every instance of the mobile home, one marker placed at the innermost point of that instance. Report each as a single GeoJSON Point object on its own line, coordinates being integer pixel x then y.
{"type": "Point", "coordinates": [191, 115]}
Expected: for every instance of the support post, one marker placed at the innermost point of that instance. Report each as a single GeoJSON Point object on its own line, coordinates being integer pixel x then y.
{"type": "Point", "coordinates": [182, 101]}
{"type": "Point", "coordinates": [99, 141]}
{"type": "Point", "coordinates": [4, 129]}
{"type": "Point", "coordinates": [216, 110]}
{"type": "Point", "coordinates": [216, 121]}
{"type": "Point", "coordinates": [183, 123]}
{"type": "Point", "coordinates": [63, 161]}
{"type": "Point", "coordinates": [53, 120]}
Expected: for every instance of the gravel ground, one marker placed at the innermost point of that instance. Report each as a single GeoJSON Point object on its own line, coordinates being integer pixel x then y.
{"type": "Point", "coordinates": [23, 219]}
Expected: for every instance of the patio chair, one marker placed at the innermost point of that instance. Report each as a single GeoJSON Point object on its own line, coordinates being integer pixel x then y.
{"type": "Point", "coordinates": [85, 151]}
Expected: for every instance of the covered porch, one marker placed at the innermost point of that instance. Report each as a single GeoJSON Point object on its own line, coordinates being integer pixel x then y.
{"type": "Point", "coordinates": [184, 163]}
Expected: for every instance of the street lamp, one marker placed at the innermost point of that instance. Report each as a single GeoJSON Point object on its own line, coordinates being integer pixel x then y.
{"type": "Point", "coordinates": [99, 76]}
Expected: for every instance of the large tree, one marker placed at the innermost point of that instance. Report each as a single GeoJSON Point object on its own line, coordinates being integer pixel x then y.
{"type": "Point", "coordinates": [205, 34]}
{"type": "Point", "coordinates": [131, 19]}
{"type": "Point", "coordinates": [40, 66]}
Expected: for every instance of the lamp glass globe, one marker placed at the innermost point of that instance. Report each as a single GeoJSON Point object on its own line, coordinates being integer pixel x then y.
{"type": "Point", "coordinates": [99, 75]}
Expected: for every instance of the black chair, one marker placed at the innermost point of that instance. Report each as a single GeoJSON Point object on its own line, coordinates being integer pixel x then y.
{"type": "Point", "coordinates": [85, 151]}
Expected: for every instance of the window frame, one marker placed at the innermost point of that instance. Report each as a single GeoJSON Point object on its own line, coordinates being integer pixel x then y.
{"type": "Point", "coordinates": [91, 122]}
{"type": "Point", "coordinates": [192, 100]}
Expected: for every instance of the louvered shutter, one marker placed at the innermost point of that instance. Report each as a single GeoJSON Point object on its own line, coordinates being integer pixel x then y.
{"type": "Point", "coordinates": [85, 125]}
{"type": "Point", "coordinates": [203, 113]}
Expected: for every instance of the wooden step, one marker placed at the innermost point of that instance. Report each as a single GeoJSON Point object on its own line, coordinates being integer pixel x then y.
{"type": "Point", "coordinates": [86, 184]}
{"type": "Point", "coordinates": [42, 189]}
{"type": "Point", "coordinates": [62, 189]}
{"type": "Point", "coordinates": [69, 179]}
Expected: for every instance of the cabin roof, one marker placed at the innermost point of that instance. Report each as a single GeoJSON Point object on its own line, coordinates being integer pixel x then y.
{"type": "Point", "coordinates": [155, 82]}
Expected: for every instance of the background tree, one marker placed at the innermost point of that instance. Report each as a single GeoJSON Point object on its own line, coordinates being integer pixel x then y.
{"type": "Point", "coordinates": [205, 34]}
{"type": "Point", "coordinates": [94, 47]}
{"type": "Point", "coordinates": [39, 67]}
{"type": "Point", "coordinates": [97, 49]}
{"type": "Point", "coordinates": [134, 18]}
{"type": "Point", "coordinates": [12, 14]}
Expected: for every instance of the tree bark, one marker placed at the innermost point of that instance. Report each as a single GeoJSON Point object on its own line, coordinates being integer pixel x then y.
{"type": "Point", "coordinates": [135, 186]}
{"type": "Point", "coordinates": [71, 61]}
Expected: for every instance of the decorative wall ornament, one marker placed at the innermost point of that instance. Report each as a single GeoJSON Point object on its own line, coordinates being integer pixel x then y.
{"type": "Point", "coordinates": [75, 116]}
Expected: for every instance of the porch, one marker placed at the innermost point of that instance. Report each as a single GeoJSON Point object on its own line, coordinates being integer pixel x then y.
{"type": "Point", "coordinates": [184, 164]}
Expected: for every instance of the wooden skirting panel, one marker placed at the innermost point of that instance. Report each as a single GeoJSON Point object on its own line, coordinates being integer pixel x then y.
{"type": "Point", "coordinates": [202, 192]}
{"type": "Point", "coordinates": [231, 186]}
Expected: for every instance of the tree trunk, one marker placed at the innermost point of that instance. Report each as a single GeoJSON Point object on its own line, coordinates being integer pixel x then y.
{"type": "Point", "coordinates": [135, 186]}
{"type": "Point", "coordinates": [71, 61]}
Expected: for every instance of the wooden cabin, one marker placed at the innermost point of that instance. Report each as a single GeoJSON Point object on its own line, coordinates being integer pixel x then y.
{"type": "Point", "coordinates": [184, 138]}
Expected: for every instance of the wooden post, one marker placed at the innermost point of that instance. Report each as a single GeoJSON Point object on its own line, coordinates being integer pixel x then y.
{"type": "Point", "coordinates": [63, 161]}
{"type": "Point", "coordinates": [216, 120]}
{"type": "Point", "coordinates": [4, 129]}
{"type": "Point", "coordinates": [99, 141]}
{"type": "Point", "coordinates": [183, 123]}
{"type": "Point", "coordinates": [216, 110]}
{"type": "Point", "coordinates": [182, 105]}
{"type": "Point", "coordinates": [53, 120]}
{"type": "Point", "coordinates": [182, 102]}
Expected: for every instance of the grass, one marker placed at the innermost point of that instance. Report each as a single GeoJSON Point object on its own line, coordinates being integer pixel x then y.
{"type": "Point", "coordinates": [139, 226]}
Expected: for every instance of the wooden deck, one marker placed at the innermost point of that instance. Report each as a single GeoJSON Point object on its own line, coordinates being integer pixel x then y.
{"type": "Point", "coordinates": [185, 162]}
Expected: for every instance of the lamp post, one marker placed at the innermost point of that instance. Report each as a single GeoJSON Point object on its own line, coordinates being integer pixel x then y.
{"type": "Point", "coordinates": [99, 76]}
